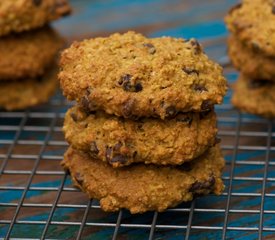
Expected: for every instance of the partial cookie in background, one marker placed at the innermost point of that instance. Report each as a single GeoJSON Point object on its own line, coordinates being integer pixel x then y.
{"type": "Point", "coordinates": [253, 22]}
{"type": "Point", "coordinates": [121, 141]}
{"type": "Point", "coordinates": [254, 96]}
{"type": "Point", "coordinates": [23, 15]}
{"type": "Point", "coordinates": [28, 54]}
{"type": "Point", "coordinates": [15, 95]}
{"type": "Point", "coordinates": [250, 62]}
{"type": "Point", "coordinates": [132, 76]}
{"type": "Point", "coordinates": [141, 188]}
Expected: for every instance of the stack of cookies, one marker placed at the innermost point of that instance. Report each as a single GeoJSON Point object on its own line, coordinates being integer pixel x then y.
{"type": "Point", "coordinates": [28, 50]}
{"type": "Point", "coordinates": [143, 132]}
{"type": "Point", "coordinates": [252, 51]}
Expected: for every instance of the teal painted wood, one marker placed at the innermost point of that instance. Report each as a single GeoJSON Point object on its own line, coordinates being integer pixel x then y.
{"type": "Point", "coordinates": [178, 18]}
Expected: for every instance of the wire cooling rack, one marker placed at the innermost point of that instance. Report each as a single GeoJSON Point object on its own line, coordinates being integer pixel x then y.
{"type": "Point", "coordinates": [38, 201]}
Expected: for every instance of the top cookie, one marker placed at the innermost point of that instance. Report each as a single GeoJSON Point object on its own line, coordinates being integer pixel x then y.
{"type": "Point", "coordinates": [22, 15]}
{"type": "Point", "coordinates": [132, 76]}
{"type": "Point", "coordinates": [254, 23]}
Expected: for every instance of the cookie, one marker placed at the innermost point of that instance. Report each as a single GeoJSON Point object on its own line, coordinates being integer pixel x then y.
{"type": "Point", "coordinates": [255, 96]}
{"type": "Point", "coordinates": [254, 24]}
{"type": "Point", "coordinates": [28, 54]}
{"type": "Point", "coordinates": [132, 76]}
{"type": "Point", "coordinates": [250, 62]}
{"type": "Point", "coordinates": [15, 95]}
{"type": "Point", "coordinates": [121, 142]}
{"type": "Point", "coordinates": [142, 188]}
{"type": "Point", "coordinates": [23, 15]}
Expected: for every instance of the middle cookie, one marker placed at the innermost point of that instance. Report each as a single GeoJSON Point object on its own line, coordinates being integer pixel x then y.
{"type": "Point", "coordinates": [123, 141]}
{"type": "Point", "coordinates": [28, 54]}
{"type": "Point", "coordinates": [250, 62]}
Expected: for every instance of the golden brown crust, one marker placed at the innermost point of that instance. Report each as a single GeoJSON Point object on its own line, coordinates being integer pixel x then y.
{"type": "Point", "coordinates": [255, 96]}
{"type": "Point", "coordinates": [250, 62]}
{"type": "Point", "coordinates": [121, 142]}
{"type": "Point", "coordinates": [28, 54]}
{"type": "Point", "coordinates": [23, 15]}
{"type": "Point", "coordinates": [141, 188]}
{"type": "Point", "coordinates": [16, 95]}
{"type": "Point", "coordinates": [132, 76]}
{"type": "Point", "coordinates": [253, 23]}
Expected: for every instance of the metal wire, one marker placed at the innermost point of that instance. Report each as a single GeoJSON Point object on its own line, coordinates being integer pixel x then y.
{"type": "Point", "coordinates": [231, 176]}
{"type": "Point", "coordinates": [118, 222]}
{"type": "Point", "coordinates": [53, 207]}
{"type": "Point", "coordinates": [267, 156]}
{"type": "Point", "coordinates": [84, 219]}
{"type": "Point", "coordinates": [24, 127]}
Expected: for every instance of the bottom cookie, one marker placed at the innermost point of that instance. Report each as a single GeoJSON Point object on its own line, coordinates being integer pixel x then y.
{"type": "Point", "coordinates": [254, 96]}
{"type": "Point", "coordinates": [142, 188]}
{"type": "Point", "coordinates": [15, 95]}
{"type": "Point", "coordinates": [121, 142]}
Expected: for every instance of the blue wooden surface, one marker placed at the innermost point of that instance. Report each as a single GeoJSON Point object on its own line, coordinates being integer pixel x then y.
{"type": "Point", "coordinates": [177, 18]}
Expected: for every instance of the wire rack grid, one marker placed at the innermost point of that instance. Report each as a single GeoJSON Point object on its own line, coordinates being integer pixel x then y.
{"type": "Point", "coordinates": [38, 201]}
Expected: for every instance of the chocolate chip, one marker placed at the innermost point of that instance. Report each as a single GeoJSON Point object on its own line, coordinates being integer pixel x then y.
{"type": "Point", "coordinates": [138, 87]}
{"type": "Point", "coordinates": [128, 87]}
{"type": "Point", "coordinates": [196, 45]}
{"type": "Point", "coordinates": [108, 153]}
{"type": "Point", "coordinates": [125, 82]}
{"type": "Point", "coordinates": [124, 78]}
{"type": "Point", "coordinates": [185, 118]}
{"type": "Point", "coordinates": [212, 181]}
{"type": "Point", "coordinates": [217, 140]}
{"type": "Point", "coordinates": [171, 111]}
{"type": "Point", "coordinates": [119, 159]}
{"type": "Point", "coordinates": [204, 114]}
{"type": "Point", "coordinates": [79, 178]}
{"type": "Point", "coordinates": [86, 104]}
{"type": "Point", "coordinates": [256, 46]}
{"type": "Point", "coordinates": [151, 47]}
{"type": "Point", "coordinates": [239, 5]}
{"type": "Point", "coordinates": [74, 116]}
{"type": "Point", "coordinates": [273, 10]}
{"type": "Point", "coordinates": [128, 108]}
{"type": "Point", "coordinates": [206, 105]}
{"type": "Point", "coordinates": [37, 2]}
{"type": "Point", "coordinates": [254, 84]}
{"type": "Point", "coordinates": [189, 70]}
{"type": "Point", "coordinates": [199, 186]}
{"type": "Point", "coordinates": [93, 148]}
{"type": "Point", "coordinates": [196, 186]}
{"type": "Point", "coordinates": [117, 146]}
{"type": "Point", "coordinates": [199, 88]}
